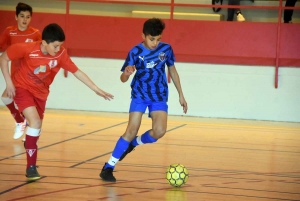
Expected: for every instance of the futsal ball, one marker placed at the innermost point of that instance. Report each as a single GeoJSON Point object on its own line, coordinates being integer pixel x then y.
{"type": "Point", "coordinates": [177, 175]}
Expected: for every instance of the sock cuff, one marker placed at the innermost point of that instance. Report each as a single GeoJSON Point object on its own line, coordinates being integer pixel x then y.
{"type": "Point", "coordinates": [112, 161]}
{"type": "Point", "coordinates": [123, 141]}
{"type": "Point", "coordinates": [6, 100]}
{"type": "Point", "coordinates": [34, 132]}
{"type": "Point", "coordinates": [149, 137]}
{"type": "Point", "coordinates": [139, 140]}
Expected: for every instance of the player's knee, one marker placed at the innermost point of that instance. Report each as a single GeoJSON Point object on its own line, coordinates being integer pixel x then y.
{"type": "Point", "coordinates": [36, 123]}
{"type": "Point", "coordinates": [159, 132]}
{"type": "Point", "coordinates": [130, 134]}
{"type": "Point", "coordinates": [6, 100]}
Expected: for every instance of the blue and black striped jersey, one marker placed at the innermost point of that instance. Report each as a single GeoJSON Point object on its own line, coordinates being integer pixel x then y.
{"type": "Point", "coordinates": [150, 81]}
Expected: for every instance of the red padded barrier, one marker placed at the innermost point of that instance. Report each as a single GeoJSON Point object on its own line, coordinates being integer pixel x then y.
{"type": "Point", "coordinates": [249, 43]}
{"type": "Point", "coordinates": [225, 42]}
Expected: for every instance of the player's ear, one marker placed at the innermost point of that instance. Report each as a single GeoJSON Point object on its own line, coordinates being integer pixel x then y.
{"type": "Point", "coordinates": [143, 36]}
{"type": "Point", "coordinates": [16, 17]}
{"type": "Point", "coordinates": [44, 43]}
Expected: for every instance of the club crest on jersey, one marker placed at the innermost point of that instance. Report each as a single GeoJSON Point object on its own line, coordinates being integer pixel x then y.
{"type": "Point", "coordinates": [162, 56]}
{"type": "Point", "coordinates": [52, 63]}
{"type": "Point", "coordinates": [40, 69]}
{"type": "Point", "coordinates": [28, 40]}
{"type": "Point", "coordinates": [30, 151]}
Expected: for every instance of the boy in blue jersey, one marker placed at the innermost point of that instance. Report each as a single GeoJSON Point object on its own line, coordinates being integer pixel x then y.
{"type": "Point", "coordinates": [149, 90]}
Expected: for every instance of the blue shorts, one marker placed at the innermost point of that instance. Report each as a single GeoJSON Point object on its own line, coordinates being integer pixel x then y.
{"type": "Point", "coordinates": [138, 105]}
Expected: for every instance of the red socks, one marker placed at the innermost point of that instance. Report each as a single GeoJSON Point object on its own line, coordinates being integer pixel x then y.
{"type": "Point", "coordinates": [31, 150]}
{"type": "Point", "coordinates": [10, 104]}
{"type": "Point", "coordinates": [32, 136]}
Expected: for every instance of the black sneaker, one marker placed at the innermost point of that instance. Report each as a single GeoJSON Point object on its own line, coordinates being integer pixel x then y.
{"type": "Point", "coordinates": [32, 173]}
{"type": "Point", "coordinates": [107, 174]}
{"type": "Point", "coordinates": [128, 150]}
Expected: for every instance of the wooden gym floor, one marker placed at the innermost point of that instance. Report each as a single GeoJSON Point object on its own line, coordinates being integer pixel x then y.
{"type": "Point", "coordinates": [227, 160]}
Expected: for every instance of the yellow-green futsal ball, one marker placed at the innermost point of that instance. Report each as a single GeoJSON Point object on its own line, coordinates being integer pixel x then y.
{"type": "Point", "coordinates": [177, 175]}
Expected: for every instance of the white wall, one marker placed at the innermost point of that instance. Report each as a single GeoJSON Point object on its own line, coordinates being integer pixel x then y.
{"type": "Point", "coordinates": [223, 91]}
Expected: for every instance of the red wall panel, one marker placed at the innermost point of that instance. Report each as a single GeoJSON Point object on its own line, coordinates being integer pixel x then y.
{"type": "Point", "coordinates": [225, 42]}
{"type": "Point", "coordinates": [193, 41]}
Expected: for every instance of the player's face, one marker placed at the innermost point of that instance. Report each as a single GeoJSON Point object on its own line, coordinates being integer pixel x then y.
{"type": "Point", "coordinates": [23, 20]}
{"type": "Point", "coordinates": [51, 48]}
{"type": "Point", "coordinates": [151, 42]}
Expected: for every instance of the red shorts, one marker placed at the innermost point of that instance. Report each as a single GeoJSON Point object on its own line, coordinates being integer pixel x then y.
{"type": "Point", "coordinates": [25, 99]}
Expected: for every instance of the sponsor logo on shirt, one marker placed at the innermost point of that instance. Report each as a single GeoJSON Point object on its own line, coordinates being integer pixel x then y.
{"type": "Point", "coordinates": [28, 40]}
{"type": "Point", "coordinates": [40, 69]}
{"type": "Point", "coordinates": [142, 58]}
{"type": "Point", "coordinates": [162, 56]}
{"type": "Point", "coordinates": [152, 64]}
{"type": "Point", "coordinates": [33, 55]}
{"type": "Point", "coordinates": [52, 63]}
{"type": "Point", "coordinates": [12, 33]}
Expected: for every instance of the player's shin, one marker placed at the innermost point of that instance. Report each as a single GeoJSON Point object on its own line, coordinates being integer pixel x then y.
{"type": "Point", "coordinates": [120, 148]}
{"type": "Point", "coordinates": [32, 136]}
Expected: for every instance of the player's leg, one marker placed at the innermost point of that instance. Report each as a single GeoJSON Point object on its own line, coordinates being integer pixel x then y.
{"type": "Point", "coordinates": [32, 136]}
{"type": "Point", "coordinates": [33, 110]}
{"type": "Point", "coordinates": [159, 125]}
{"type": "Point", "coordinates": [287, 15]}
{"type": "Point", "coordinates": [158, 111]}
{"type": "Point", "coordinates": [159, 119]}
{"type": "Point", "coordinates": [230, 11]}
{"type": "Point", "coordinates": [121, 146]}
{"type": "Point", "coordinates": [19, 120]}
{"type": "Point", "coordinates": [137, 108]}
{"type": "Point", "coordinates": [159, 114]}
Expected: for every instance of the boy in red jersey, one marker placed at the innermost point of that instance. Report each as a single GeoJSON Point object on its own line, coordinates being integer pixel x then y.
{"type": "Point", "coordinates": [29, 86]}
{"type": "Point", "coordinates": [19, 33]}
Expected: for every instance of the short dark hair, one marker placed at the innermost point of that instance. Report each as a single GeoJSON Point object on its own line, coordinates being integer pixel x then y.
{"type": "Point", "coordinates": [23, 7]}
{"type": "Point", "coordinates": [153, 27]}
{"type": "Point", "coordinates": [53, 32]}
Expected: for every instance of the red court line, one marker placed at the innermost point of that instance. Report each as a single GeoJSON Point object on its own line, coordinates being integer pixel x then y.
{"type": "Point", "coordinates": [70, 189]}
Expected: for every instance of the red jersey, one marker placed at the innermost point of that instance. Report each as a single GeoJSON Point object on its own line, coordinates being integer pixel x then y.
{"type": "Point", "coordinates": [13, 35]}
{"type": "Point", "coordinates": [37, 71]}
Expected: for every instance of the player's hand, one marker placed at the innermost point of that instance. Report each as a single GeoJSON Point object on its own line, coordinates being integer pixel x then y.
{"type": "Point", "coordinates": [183, 103]}
{"type": "Point", "coordinates": [10, 90]}
{"type": "Point", "coordinates": [129, 70]}
{"type": "Point", "coordinates": [105, 95]}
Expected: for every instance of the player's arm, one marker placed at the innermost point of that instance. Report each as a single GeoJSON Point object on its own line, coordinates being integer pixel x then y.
{"type": "Point", "coordinates": [127, 72]}
{"type": "Point", "coordinates": [176, 80]}
{"type": "Point", "coordinates": [10, 88]}
{"type": "Point", "coordinates": [88, 82]}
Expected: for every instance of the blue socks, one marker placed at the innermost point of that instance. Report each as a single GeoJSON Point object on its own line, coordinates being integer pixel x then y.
{"type": "Point", "coordinates": [120, 148]}
{"type": "Point", "coordinates": [146, 138]}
